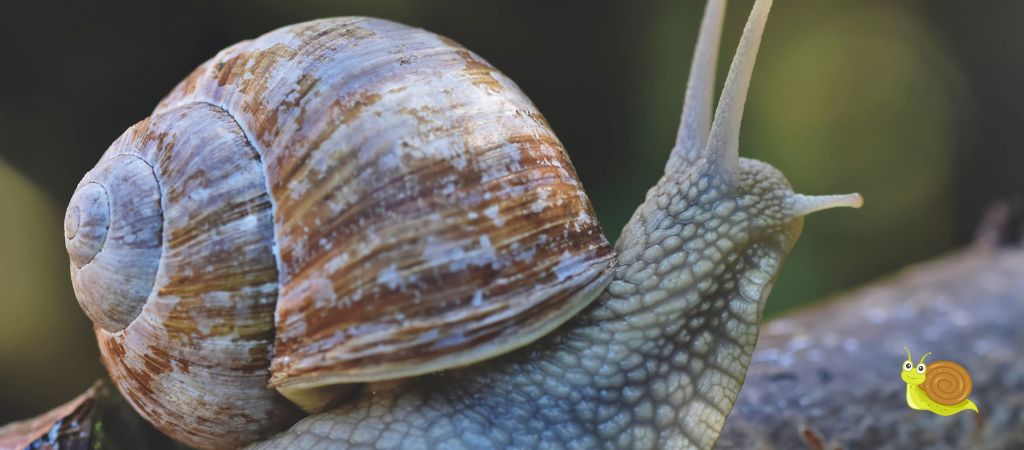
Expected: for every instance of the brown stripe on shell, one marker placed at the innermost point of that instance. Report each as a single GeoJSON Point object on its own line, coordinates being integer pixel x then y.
{"type": "Point", "coordinates": [195, 362]}
{"type": "Point", "coordinates": [425, 215]}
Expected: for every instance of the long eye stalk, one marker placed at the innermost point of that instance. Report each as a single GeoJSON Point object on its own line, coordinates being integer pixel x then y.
{"type": "Point", "coordinates": [692, 138]}
{"type": "Point", "coordinates": [724, 138]}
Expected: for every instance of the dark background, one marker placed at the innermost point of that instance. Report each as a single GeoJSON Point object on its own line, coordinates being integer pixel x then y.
{"type": "Point", "coordinates": [916, 104]}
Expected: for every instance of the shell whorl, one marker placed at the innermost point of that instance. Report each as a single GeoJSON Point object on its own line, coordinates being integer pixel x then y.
{"type": "Point", "coordinates": [112, 231]}
{"type": "Point", "coordinates": [947, 383]}
{"type": "Point", "coordinates": [360, 199]}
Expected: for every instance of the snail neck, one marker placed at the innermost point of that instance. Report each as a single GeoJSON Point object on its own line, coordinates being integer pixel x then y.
{"type": "Point", "coordinates": [668, 343]}
{"type": "Point", "coordinates": [916, 397]}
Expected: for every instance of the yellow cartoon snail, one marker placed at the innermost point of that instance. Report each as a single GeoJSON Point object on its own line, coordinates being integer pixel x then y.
{"type": "Point", "coordinates": [941, 387]}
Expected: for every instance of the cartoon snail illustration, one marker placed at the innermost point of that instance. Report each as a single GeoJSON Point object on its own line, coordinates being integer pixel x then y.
{"type": "Point", "coordinates": [941, 387]}
{"type": "Point", "coordinates": [369, 221]}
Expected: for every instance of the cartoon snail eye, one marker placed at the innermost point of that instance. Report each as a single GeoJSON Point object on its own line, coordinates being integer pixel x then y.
{"type": "Point", "coordinates": [908, 366]}
{"type": "Point", "coordinates": [920, 368]}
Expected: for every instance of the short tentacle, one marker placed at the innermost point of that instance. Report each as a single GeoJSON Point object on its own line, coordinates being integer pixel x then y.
{"type": "Point", "coordinates": [799, 205]}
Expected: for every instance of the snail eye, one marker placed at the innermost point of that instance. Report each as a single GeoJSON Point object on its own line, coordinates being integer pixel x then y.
{"type": "Point", "coordinates": [920, 369]}
{"type": "Point", "coordinates": [908, 365]}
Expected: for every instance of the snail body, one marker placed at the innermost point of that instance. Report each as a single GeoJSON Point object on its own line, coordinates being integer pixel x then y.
{"type": "Point", "coordinates": [355, 216]}
{"type": "Point", "coordinates": [941, 387]}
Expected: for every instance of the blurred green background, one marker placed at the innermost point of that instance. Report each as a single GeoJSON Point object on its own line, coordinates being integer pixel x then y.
{"type": "Point", "coordinates": [916, 104]}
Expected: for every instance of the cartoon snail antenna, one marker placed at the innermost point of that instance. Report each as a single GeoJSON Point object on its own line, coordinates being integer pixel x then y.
{"type": "Point", "coordinates": [923, 357]}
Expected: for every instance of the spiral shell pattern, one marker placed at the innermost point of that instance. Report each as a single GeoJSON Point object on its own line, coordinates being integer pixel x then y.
{"type": "Point", "coordinates": [947, 382]}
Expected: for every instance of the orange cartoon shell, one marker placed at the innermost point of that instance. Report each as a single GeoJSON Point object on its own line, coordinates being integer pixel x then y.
{"type": "Point", "coordinates": [947, 382]}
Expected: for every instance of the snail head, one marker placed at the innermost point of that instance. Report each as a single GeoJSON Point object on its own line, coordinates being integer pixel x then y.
{"type": "Point", "coordinates": [705, 159]}
{"type": "Point", "coordinates": [913, 375]}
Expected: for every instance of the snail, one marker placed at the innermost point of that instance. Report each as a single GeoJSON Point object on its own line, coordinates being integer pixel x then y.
{"type": "Point", "coordinates": [366, 222]}
{"type": "Point", "coordinates": [941, 387]}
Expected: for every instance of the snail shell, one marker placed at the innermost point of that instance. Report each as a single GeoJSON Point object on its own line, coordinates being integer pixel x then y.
{"type": "Point", "coordinates": [337, 201]}
{"type": "Point", "coordinates": [947, 383]}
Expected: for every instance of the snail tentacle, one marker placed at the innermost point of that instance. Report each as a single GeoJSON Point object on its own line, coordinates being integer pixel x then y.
{"type": "Point", "coordinates": [724, 139]}
{"type": "Point", "coordinates": [923, 357]}
{"type": "Point", "coordinates": [695, 123]}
